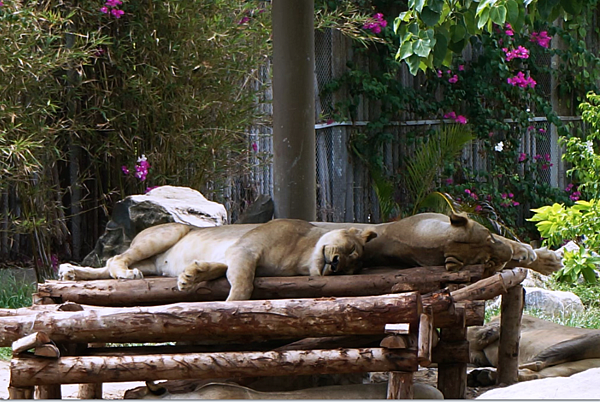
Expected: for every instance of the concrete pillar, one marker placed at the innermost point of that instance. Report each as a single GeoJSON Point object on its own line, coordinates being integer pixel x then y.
{"type": "Point", "coordinates": [294, 166]}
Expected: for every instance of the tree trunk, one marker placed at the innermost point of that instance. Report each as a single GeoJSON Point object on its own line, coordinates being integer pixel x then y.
{"type": "Point", "coordinates": [218, 320]}
{"type": "Point", "coordinates": [452, 377]}
{"type": "Point", "coordinates": [71, 370]}
{"type": "Point", "coordinates": [400, 385]}
{"type": "Point", "coordinates": [159, 290]}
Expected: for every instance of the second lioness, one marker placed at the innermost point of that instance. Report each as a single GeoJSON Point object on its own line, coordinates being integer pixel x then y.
{"type": "Point", "coordinates": [430, 239]}
{"type": "Point", "coordinates": [282, 247]}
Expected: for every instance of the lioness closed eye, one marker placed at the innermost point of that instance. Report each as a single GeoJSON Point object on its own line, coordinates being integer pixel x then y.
{"type": "Point", "coordinates": [282, 247]}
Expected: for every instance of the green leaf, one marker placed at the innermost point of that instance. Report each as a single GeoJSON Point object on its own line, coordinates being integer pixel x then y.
{"type": "Point", "coordinates": [406, 50]}
{"type": "Point", "coordinates": [429, 17]}
{"type": "Point", "coordinates": [436, 5]}
{"type": "Point", "coordinates": [441, 47]}
{"type": "Point", "coordinates": [512, 11]}
{"type": "Point", "coordinates": [545, 7]}
{"type": "Point", "coordinates": [498, 15]}
{"type": "Point", "coordinates": [458, 32]}
{"type": "Point", "coordinates": [572, 6]}
{"type": "Point", "coordinates": [483, 18]}
{"type": "Point", "coordinates": [413, 64]}
{"type": "Point", "coordinates": [416, 5]}
{"type": "Point", "coordinates": [422, 47]}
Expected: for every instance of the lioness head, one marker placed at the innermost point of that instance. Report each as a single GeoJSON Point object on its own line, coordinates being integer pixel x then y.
{"type": "Point", "coordinates": [340, 251]}
{"type": "Point", "coordinates": [472, 243]}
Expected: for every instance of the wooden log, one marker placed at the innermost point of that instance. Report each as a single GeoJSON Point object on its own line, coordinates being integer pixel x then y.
{"type": "Point", "coordinates": [29, 342]}
{"type": "Point", "coordinates": [448, 353]}
{"type": "Point", "coordinates": [474, 315]}
{"type": "Point", "coordinates": [330, 342]}
{"type": "Point", "coordinates": [36, 308]}
{"type": "Point", "coordinates": [491, 287]}
{"type": "Point", "coordinates": [452, 377]}
{"type": "Point", "coordinates": [398, 342]}
{"type": "Point", "coordinates": [293, 318]}
{"type": "Point", "coordinates": [20, 392]}
{"type": "Point", "coordinates": [90, 391]}
{"type": "Point", "coordinates": [48, 392]}
{"type": "Point", "coordinates": [425, 340]}
{"type": "Point", "coordinates": [160, 290]}
{"type": "Point", "coordinates": [28, 371]}
{"type": "Point", "coordinates": [511, 311]}
{"type": "Point", "coordinates": [400, 385]}
{"type": "Point", "coordinates": [47, 350]}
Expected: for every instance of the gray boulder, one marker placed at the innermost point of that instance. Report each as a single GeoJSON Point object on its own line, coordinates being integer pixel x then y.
{"type": "Point", "coordinates": [161, 205]}
{"type": "Point", "coordinates": [551, 302]}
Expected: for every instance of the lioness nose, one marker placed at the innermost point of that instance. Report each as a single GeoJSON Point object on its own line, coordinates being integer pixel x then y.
{"type": "Point", "coordinates": [334, 263]}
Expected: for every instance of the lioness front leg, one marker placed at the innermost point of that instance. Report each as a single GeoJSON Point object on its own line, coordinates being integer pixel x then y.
{"type": "Point", "coordinates": [70, 272]}
{"type": "Point", "coordinates": [197, 272]}
{"type": "Point", "coordinates": [241, 269]}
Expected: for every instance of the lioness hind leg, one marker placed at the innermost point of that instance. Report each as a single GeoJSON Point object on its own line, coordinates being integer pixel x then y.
{"type": "Point", "coordinates": [241, 269]}
{"type": "Point", "coordinates": [149, 242]}
{"type": "Point", "coordinates": [197, 272]}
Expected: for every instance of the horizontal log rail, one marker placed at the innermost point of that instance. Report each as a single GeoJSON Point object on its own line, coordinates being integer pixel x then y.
{"type": "Point", "coordinates": [271, 319]}
{"type": "Point", "coordinates": [160, 290]}
{"type": "Point", "coordinates": [29, 371]}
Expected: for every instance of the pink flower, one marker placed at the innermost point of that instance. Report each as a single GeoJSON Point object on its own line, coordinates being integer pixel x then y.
{"type": "Point", "coordinates": [124, 170]}
{"type": "Point", "coordinates": [453, 79]}
{"type": "Point", "coordinates": [450, 115]}
{"type": "Point", "coordinates": [478, 208]}
{"type": "Point", "coordinates": [503, 195]}
{"type": "Point", "coordinates": [255, 147]}
{"type": "Point", "coordinates": [509, 30]}
{"type": "Point", "coordinates": [460, 119]}
{"type": "Point", "coordinates": [449, 181]}
{"type": "Point", "coordinates": [575, 196]}
{"type": "Point", "coordinates": [542, 130]}
{"type": "Point", "coordinates": [150, 188]}
{"type": "Point", "coordinates": [375, 23]}
{"type": "Point", "coordinates": [518, 53]}
{"type": "Point", "coordinates": [547, 157]}
{"type": "Point", "coordinates": [243, 20]}
{"type": "Point", "coordinates": [510, 195]}
{"type": "Point", "coordinates": [104, 10]}
{"type": "Point", "coordinates": [522, 157]}
{"type": "Point", "coordinates": [541, 38]}
{"type": "Point", "coordinates": [1, 4]}
{"type": "Point", "coordinates": [439, 73]}
{"type": "Point", "coordinates": [461, 68]}
{"type": "Point", "coordinates": [569, 187]}
{"type": "Point", "coordinates": [117, 13]}
{"type": "Point", "coordinates": [520, 81]}
{"type": "Point", "coordinates": [330, 121]}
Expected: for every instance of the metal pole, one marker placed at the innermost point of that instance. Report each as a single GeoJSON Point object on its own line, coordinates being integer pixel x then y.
{"type": "Point", "coordinates": [294, 166]}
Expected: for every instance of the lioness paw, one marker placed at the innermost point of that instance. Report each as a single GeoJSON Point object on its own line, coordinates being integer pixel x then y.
{"type": "Point", "coordinates": [67, 272]}
{"type": "Point", "coordinates": [130, 274]}
{"type": "Point", "coordinates": [185, 281]}
{"type": "Point", "coordinates": [523, 253]}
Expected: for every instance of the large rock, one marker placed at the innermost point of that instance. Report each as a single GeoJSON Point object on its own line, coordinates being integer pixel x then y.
{"type": "Point", "coordinates": [551, 302]}
{"type": "Point", "coordinates": [583, 385]}
{"type": "Point", "coordinates": [161, 205]}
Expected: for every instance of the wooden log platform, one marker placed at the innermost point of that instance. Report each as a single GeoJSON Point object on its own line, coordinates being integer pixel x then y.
{"type": "Point", "coordinates": [160, 290]}
{"type": "Point", "coordinates": [29, 371]}
{"type": "Point", "coordinates": [292, 318]}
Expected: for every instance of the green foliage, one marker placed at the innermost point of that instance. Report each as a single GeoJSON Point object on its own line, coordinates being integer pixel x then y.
{"type": "Point", "coordinates": [423, 168]}
{"type": "Point", "coordinates": [581, 223]}
{"type": "Point", "coordinates": [15, 292]}
{"type": "Point", "coordinates": [431, 32]}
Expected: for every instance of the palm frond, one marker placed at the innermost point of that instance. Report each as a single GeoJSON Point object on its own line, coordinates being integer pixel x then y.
{"type": "Point", "coordinates": [423, 168]}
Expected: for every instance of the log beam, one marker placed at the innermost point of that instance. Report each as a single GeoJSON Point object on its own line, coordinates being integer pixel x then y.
{"type": "Point", "coordinates": [160, 290]}
{"type": "Point", "coordinates": [511, 311]}
{"type": "Point", "coordinates": [218, 320]}
{"type": "Point", "coordinates": [28, 371]}
{"type": "Point", "coordinates": [400, 385]}
{"type": "Point", "coordinates": [491, 287]}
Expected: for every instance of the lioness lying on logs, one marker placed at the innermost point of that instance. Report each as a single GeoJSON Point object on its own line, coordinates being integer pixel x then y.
{"type": "Point", "coordinates": [282, 247]}
{"type": "Point", "coordinates": [430, 239]}
{"type": "Point", "coordinates": [546, 349]}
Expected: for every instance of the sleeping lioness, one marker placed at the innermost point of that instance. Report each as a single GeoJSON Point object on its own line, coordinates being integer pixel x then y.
{"type": "Point", "coordinates": [455, 241]}
{"type": "Point", "coordinates": [282, 247]}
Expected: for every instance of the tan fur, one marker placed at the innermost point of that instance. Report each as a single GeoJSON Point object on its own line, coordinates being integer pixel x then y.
{"type": "Point", "coordinates": [546, 349]}
{"type": "Point", "coordinates": [435, 239]}
{"type": "Point", "coordinates": [222, 390]}
{"type": "Point", "coordinates": [282, 247]}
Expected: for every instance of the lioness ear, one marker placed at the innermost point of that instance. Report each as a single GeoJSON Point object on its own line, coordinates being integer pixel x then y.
{"type": "Point", "coordinates": [368, 235]}
{"type": "Point", "coordinates": [458, 219]}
